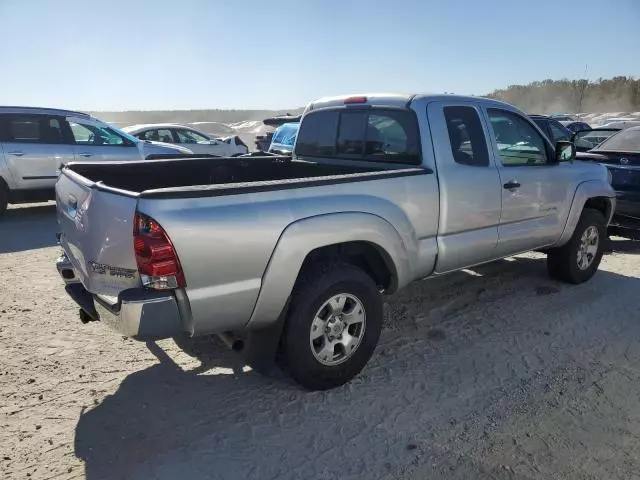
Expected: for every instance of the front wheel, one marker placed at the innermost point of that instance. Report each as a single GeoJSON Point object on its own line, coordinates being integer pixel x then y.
{"type": "Point", "coordinates": [332, 327]}
{"type": "Point", "coordinates": [578, 260]}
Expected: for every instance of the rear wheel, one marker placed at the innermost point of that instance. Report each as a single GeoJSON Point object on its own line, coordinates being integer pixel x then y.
{"type": "Point", "coordinates": [332, 327]}
{"type": "Point", "coordinates": [578, 260]}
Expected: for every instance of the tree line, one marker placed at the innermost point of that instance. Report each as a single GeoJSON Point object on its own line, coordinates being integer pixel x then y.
{"type": "Point", "coordinates": [617, 94]}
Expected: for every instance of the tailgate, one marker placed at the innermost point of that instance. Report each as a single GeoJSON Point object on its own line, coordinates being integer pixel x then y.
{"type": "Point", "coordinates": [96, 233]}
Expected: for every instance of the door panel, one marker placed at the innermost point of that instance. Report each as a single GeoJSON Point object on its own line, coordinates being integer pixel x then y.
{"type": "Point", "coordinates": [470, 193]}
{"type": "Point", "coordinates": [35, 165]}
{"type": "Point", "coordinates": [95, 141]}
{"type": "Point", "coordinates": [34, 149]}
{"type": "Point", "coordinates": [88, 153]}
{"type": "Point", "coordinates": [535, 191]}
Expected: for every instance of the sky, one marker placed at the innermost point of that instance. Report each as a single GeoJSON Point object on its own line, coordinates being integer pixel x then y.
{"type": "Point", "coordinates": [200, 54]}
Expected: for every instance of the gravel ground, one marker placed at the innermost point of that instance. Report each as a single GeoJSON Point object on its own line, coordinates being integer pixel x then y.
{"type": "Point", "coordinates": [495, 372]}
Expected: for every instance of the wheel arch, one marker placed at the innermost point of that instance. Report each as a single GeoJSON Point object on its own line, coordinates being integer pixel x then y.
{"type": "Point", "coordinates": [595, 194]}
{"type": "Point", "coordinates": [362, 239]}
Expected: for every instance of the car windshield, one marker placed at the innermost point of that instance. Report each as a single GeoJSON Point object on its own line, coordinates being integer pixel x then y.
{"type": "Point", "coordinates": [625, 141]}
{"type": "Point", "coordinates": [286, 134]}
{"type": "Point", "coordinates": [122, 133]}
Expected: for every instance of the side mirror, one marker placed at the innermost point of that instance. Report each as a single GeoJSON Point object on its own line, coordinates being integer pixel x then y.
{"type": "Point", "coordinates": [565, 151]}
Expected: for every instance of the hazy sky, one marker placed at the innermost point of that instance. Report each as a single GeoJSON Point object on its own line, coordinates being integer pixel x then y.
{"type": "Point", "coordinates": [175, 54]}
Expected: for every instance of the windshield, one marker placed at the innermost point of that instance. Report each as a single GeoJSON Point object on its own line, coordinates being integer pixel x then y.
{"type": "Point", "coordinates": [625, 141]}
{"type": "Point", "coordinates": [121, 133]}
{"type": "Point", "coordinates": [286, 134]}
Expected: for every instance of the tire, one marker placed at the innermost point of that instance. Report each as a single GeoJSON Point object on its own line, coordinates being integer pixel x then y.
{"type": "Point", "coordinates": [309, 309]}
{"type": "Point", "coordinates": [4, 198]}
{"type": "Point", "coordinates": [563, 262]}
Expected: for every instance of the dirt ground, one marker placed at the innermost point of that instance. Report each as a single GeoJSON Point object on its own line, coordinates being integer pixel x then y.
{"type": "Point", "coordinates": [496, 372]}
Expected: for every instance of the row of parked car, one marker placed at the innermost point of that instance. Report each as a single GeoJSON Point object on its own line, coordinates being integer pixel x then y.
{"type": "Point", "coordinates": [36, 142]}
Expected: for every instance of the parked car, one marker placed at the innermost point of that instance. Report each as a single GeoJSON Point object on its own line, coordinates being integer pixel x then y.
{"type": "Point", "coordinates": [551, 127]}
{"type": "Point", "coordinates": [194, 140]}
{"type": "Point", "coordinates": [620, 153]}
{"type": "Point", "coordinates": [586, 140]}
{"type": "Point", "coordinates": [284, 138]}
{"type": "Point", "coordinates": [263, 142]}
{"type": "Point", "coordinates": [621, 124]}
{"type": "Point", "coordinates": [293, 253]}
{"type": "Point", "coordinates": [236, 144]}
{"type": "Point", "coordinates": [562, 117]}
{"type": "Point", "coordinates": [36, 142]}
{"type": "Point", "coordinates": [574, 126]}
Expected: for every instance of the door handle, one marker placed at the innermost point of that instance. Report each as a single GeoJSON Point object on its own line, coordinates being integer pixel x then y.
{"type": "Point", "coordinates": [84, 154]}
{"type": "Point", "coordinates": [16, 154]}
{"type": "Point", "coordinates": [511, 184]}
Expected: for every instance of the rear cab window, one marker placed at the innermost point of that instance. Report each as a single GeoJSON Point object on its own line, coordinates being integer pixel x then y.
{"type": "Point", "coordinates": [374, 134]}
{"type": "Point", "coordinates": [468, 143]}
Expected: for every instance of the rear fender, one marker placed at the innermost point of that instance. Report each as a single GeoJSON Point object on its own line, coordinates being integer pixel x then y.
{"type": "Point", "coordinates": [304, 236]}
{"type": "Point", "coordinates": [585, 191]}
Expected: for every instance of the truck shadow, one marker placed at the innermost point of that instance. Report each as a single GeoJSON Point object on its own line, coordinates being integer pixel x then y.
{"type": "Point", "coordinates": [28, 228]}
{"type": "Point", "coordinates": [222, 421]}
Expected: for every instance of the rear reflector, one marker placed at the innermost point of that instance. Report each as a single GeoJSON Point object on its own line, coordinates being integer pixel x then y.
{"type": "Point", "coordinates": [156, 257]}
{"type": "Point", "coordinates": [349, 100]}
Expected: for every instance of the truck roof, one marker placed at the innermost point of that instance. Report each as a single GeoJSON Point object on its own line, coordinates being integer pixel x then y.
{"type": "Point", "coordinates": [394, 99]}
{"type": "Point", "coordinates": [42, 111]}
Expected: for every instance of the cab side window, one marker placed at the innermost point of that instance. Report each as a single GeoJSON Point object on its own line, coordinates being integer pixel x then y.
{"type": "Point", "coordinates": [468, 143]}
{"type": "Point", "coordinates": [519, 143]}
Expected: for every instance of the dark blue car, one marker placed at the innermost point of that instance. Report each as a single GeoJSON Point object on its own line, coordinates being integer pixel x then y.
{"type": "Point", "coordinates": [620, 153]}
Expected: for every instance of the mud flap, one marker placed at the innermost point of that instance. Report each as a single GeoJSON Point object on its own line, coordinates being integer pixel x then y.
{"type": "Point", "coordinates": [261, 346]}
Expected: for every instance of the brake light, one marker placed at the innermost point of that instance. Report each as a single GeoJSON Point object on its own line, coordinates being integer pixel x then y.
{"type": "Point", "coordinates": [349, 100]}
{"type": "Point", "coordinates": [156, 257]}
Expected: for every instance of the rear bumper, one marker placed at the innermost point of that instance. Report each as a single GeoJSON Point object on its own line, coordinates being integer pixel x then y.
{"type": "Point", "coordinates": [139, 313]}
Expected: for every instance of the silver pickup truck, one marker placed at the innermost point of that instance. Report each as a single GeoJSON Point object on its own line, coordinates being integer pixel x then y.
{"type": "Point", "coordinates": [295, 253]}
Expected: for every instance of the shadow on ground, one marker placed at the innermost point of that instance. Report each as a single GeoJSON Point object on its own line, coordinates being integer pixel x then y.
{"type": "Point", "coordinates": [27, 228]}
{"type": "Point", "coordinates": [221, 421]}
{"type": "Point", "coordinates": [624, 245]}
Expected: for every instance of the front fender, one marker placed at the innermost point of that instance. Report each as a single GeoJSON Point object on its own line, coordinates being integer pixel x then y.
{"type": "Point", "coordinates": [306, 235]}
{"type": "Point", "coordinates": [585, 191]}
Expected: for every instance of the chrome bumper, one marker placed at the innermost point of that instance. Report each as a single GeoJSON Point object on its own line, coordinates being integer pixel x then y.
{"type": "Point", "coordinates": [139, 313]}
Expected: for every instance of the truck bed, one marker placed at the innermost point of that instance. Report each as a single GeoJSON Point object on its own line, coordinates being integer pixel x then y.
{"type": "Point", "coordinates": [222, 175]}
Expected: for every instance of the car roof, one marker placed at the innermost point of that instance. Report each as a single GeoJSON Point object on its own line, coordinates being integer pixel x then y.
{"type": "Point", "coordinates": [148, 126]}
{"type": "Point", "coordinates": [42, 111]}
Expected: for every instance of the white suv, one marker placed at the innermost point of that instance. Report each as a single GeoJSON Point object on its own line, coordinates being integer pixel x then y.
{"type": "Point", "coordinates": [35, 142]}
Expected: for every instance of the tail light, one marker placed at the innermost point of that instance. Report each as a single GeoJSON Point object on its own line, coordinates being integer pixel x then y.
{"type": "Point", "coordinates": [156, 257]}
